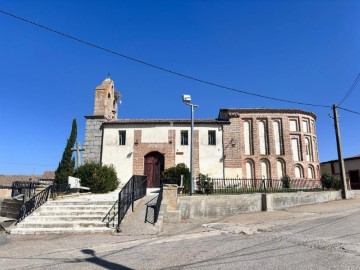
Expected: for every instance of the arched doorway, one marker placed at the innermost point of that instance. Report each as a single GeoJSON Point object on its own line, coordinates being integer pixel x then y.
{"type": "Point", "coordinates": [153, 166]}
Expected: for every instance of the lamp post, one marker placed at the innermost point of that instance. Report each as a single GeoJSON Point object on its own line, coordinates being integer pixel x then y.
{"type": "Point", "coordinates": [187, 100]}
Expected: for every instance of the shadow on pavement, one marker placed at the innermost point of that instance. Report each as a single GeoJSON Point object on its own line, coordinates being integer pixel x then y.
{"type": "Point", "coordinates": [101, 262]}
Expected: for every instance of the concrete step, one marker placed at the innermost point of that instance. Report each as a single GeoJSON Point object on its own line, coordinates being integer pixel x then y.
{"type": "Point", "coordinates": [75, 208]}
{"type": "Point", "coordinates": [68, 213]}
{"type": "Point", "coordinates": [60, 218]}
{"type": "Point", "coordinates": [62, 224]}
{"type": "Point", "coordinates": [61, 230]}
{"type": "Point", "coordinates": [75, 202]}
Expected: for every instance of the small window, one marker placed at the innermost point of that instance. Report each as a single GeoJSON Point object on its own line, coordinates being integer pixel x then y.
{"type": "Point", "coordinates": [122, 137]}
{"type": "Point", "coordinates": [212, 137]}
{"type": "Point", "coordinates": [184, 137]}
{"type": "Point", "coordinates": [293, 125]}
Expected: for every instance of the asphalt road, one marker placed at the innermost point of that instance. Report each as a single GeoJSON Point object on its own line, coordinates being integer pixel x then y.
{"type": "Point", "coordinates": [323, 236]}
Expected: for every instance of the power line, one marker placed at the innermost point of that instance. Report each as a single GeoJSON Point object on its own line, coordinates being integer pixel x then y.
{"type": "Point", "coordinates": [349, 110]}
{"type": "Point", "coordinates": [351, 89]}
{"type": "Point", "coordinates": [158, 67]}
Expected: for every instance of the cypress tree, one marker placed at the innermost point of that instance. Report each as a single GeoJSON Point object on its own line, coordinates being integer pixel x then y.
{"type": "Point", "coordinates": [67, 163]}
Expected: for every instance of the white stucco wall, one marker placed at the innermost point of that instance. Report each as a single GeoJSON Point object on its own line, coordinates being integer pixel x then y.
{"type": "Point", "coordinates": [121, 156]}
{"type": "Point", "coordinates": [211, 156]}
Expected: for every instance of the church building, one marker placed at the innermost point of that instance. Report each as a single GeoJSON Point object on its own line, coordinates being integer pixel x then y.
{"type": "Point", "coordinates": [239, 143]}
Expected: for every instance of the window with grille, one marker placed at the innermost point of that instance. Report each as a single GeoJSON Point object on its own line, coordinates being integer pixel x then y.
{"type": "Point", "coordinates": [122, 137]}
{"type": "Point", "coordinates": [184, 137]}
{"type": "Point", "coordinates": [212, 137]}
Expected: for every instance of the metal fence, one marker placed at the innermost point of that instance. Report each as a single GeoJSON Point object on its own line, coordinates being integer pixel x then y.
{"type": "Point", "coordinates": [238, 186]}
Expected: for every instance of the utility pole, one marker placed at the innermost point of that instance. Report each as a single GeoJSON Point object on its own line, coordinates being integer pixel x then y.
{"type": "Point", "coordinates": [340, 155]}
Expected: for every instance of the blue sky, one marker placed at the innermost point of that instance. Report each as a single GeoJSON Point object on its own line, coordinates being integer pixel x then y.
{"type": "Point", "coordinates": [307, 51]}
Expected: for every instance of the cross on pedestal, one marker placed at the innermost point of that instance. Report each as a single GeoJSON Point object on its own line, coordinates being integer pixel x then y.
{"type": "Point", "coordinates": [78, 149]}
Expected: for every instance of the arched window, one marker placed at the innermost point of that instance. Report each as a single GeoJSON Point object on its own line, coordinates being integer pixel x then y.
{"type": "Point", "coordinates": [279, 149]}
{"type": "Point", "coordinates": [295, 148]}
{"type": "Point", "coordinates": [265, 169]}
{"type": "Point", "coordinates": [299, 172]}
{"type": "Point", "coordinates": [263, 133]}
{"type": "Point", "coordinates": [308, 149]}
{"type": "Point", "coordinates": [248, 143]}
{"type": "Point", "coordinates": [311, 174]}
{"type": "Point", "coordinates": [249, 169]}
{"type": "Point", "coordinates": [280, 164]}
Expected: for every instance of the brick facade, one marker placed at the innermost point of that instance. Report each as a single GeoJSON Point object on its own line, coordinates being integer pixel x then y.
{"type": "Point", "coordinates": [142, 149]}
{"type": "Point", "coordinates": [234, 146]}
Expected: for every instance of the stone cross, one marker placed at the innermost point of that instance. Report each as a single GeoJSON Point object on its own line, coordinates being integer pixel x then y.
{"type": "Point", "coordinates": [78, 149]}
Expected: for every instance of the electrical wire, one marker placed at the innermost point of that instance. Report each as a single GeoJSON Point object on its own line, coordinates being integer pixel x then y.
{"type": "Point", "coordinates": [351, 111]}
{"type": "Point", "coordinates": [351, 89]}
{"type": "Point", "coordinates": [158, 67]}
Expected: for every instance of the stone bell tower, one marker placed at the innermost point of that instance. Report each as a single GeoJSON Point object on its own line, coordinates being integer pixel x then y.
{"type": "Point", "coordinates": [105, 99]}
{"type": "Point", "coordinates": [105, 109]}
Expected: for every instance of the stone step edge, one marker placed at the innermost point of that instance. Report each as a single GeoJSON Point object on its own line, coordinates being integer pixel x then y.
{"type": "Point", "coordinates": [23, 231]}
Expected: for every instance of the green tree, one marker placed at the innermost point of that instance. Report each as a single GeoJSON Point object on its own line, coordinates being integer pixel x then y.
{"type": "Point", "coordinates": [67, 163]}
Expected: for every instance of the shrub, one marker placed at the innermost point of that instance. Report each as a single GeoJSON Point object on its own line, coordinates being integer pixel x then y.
{"type": "Point", "coordinates": [330, 181]}
{"type": "Point", "coordinates": [286, 181]}
{"type": "Point", "coordinates": [173, 175]}
{"type": "Point", "coordinates": [204, 184]}
{"type": "Point", "coordinates": [99, 178]}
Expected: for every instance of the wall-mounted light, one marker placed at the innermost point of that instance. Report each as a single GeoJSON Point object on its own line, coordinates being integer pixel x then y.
{"type": "Point", "coordinates": [232, 142]}
{"type": "Point", "coordinates": [136, 142]}
{"type": "Point", "coordinates": [170, 141]}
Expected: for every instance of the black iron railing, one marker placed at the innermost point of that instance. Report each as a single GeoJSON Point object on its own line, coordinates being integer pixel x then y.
{"type": "Point", "coordinates": [154, 205]}
{"type": "Point", "coordinates": [238, 186]}
{"type": "Point", "coordinates": [22, 187]}
{"type": "Point", "coordinates": [59, 188]}
{"type": "Point", "coordinates": [39, 199]}
{"type": "Point", "coordinates": [34, 203]}
{"type": "Point", "coordinates": [133, 190]}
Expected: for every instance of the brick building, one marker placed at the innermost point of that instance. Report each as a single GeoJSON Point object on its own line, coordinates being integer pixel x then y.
{"type": "Point", "coordinates": [241, 143]}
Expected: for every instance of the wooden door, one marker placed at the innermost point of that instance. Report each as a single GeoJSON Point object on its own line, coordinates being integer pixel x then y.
{"type": "Point", "coordinates": [153, 166]}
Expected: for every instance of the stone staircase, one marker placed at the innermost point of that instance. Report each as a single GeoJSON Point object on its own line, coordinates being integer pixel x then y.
{"type": "Point", "coordinates": [10, 208]}
{"type": "Point", "coordinates": [69, 215]}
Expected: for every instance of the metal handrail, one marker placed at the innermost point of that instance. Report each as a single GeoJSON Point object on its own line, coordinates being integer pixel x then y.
{"type": "Point", "coordinates": [134, 189]}
{"type": "Point", "coordinates": [34, 203]}
{"type": "Point", "coordinates": [39, 199]}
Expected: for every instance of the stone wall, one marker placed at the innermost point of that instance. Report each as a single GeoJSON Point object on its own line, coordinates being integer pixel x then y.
{"type": "Point", "coordinates": [225, 205]}
{"type": "Point", "coordinates": [93, 139]}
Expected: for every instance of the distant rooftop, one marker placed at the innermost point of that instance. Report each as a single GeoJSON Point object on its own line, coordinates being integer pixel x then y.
{"type": "Point", "coordinates": [348, 158]}
{"type": "Point", "coordinates": [265, 111]}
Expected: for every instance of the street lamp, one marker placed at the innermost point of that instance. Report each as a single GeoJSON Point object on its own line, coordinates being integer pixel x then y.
{"type": "Point", "coordinates": [187, 100]}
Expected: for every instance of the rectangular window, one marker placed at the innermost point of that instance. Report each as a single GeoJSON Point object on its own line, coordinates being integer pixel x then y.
{"type": "Point", "coordinates": [248, 137]}
{"type": "Point", "coordinates": [293, 125]}
{"type": "Point", "coordinates": [305, 126]}
{"type": "Point", "coordinates": [212, 137]}
{"type": "Point", "coordinates": [184, 137]}
{"type": "Point", "coordinates": [122, 137]}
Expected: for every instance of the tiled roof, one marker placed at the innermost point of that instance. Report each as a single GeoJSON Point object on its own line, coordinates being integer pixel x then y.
{"type": "Point", "coordinates": [265, 111]}
{"type": "Point", "coordinates": [165, 121]}
{"type": "Point", "coordinates": [348, 158]}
